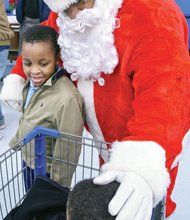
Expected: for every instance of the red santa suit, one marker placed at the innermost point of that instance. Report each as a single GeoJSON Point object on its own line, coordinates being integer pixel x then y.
{"type": "Point", "coordinates": [142, 103]}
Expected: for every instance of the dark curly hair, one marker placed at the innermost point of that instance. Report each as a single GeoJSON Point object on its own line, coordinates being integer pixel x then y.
{"type": "Point", "coordinates": [41, 33]}
{"type": "Point", "coordinates": [88, 201]}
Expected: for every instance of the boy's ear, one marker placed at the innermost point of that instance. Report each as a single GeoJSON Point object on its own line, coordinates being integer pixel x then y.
{"type": "Point", "coordinates": [58, 58]}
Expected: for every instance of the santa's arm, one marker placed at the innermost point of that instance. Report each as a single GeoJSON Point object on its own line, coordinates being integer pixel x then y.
{"type": "Point", "coordinates": [11, 92]}
{"type": "Point", "coordinates": [161, 84]}
{"type": "Point", "coordinates": [161, 77]}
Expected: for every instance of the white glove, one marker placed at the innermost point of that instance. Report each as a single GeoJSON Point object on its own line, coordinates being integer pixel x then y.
{"type": "Point", "coordinates": [11, 92]}
{"type": "Point", "coordinates": [133, 199]}
{"type": "Point", "coordinates": [140, 168]}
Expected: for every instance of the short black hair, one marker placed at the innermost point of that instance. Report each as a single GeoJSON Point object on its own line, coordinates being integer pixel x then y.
{"type": "Point", "coordinates": [41, 33]}
{"type": "Point", "coordinates": [90, 201]}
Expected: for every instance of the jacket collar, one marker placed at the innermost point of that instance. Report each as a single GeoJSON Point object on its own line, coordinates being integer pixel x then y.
{"type": "Point", "coordinates": [58, 73]}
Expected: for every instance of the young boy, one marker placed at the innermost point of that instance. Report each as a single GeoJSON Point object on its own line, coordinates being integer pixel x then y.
{"type": "Point", "coordinates": [50, 100]}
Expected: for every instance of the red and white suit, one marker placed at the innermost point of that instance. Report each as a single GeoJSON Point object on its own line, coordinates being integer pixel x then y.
{"type": "Point", "coordinates": [146, 98]}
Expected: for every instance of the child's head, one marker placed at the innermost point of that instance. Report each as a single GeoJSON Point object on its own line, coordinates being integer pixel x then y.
{"type": "Point", "coordinates": [89, 201]}
{"type": "Point", "coordinates": [40, 53]}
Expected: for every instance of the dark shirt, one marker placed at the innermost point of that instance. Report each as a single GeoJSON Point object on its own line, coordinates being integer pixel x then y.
{"type": "Point", "coordinates": [34, 9]}
{"type": "Point", "coordinates": [31, 8]}
{"type": "Point", "coordinates": [46, 200]}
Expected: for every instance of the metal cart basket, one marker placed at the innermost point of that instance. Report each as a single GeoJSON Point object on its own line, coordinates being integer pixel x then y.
{"type": "Point", "coordinates": [84, 164]}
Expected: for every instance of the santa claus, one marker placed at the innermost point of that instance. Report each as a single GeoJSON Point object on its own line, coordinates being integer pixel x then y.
{"type": "Point", "coordinates": [131, 64]}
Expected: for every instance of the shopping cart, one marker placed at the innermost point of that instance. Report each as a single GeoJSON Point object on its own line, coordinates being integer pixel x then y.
{"type": "Point", "coordinates": [12, 185]}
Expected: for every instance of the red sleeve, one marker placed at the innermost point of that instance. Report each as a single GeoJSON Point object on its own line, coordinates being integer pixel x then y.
{"type": "Point", "coordinates": [51, 21]}
{"type": "Point", "coordinates": [18, 69]}
{"type": "Point", "coordinates": [161, 67]}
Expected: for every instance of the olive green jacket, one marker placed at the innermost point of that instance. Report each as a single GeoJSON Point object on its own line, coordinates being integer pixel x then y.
{"type": "Point", "coordinates": [57, 105]}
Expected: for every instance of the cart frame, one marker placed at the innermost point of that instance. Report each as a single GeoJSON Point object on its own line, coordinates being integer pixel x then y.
{"type": "Point", "coordinates": [12, 186]}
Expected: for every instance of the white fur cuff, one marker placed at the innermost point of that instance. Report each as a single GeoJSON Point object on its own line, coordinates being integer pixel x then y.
{"type": "Point", "coordinates": [12, 88]}
{"type": "Point", "coordinates": [145, 158]}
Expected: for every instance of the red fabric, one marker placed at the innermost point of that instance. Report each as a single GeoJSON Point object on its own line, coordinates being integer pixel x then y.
{"type": "Point", "coordinates": [172, 205]}
{"type": "Point", "coordinates": [51, 21]}
{"type": "Point", "coordinates": [17, 69]}
{"type": "Point", "coordinates": [147, 96]}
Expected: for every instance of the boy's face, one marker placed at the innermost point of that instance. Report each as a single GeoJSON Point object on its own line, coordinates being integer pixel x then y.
{"type": "Point", "coordinates": [39, 61]}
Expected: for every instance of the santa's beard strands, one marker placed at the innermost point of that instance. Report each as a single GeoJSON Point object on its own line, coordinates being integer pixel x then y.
{"type": "Point", "coordinates": [87, 42]}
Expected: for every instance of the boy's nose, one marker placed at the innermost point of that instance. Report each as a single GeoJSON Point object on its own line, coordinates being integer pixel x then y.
{"type": "Point", "coordinates": [35, 70]}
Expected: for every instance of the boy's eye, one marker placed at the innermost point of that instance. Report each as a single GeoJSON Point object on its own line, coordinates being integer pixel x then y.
{"type": "Point", "coordinates": [28, 64]}
{"type": "Point", "coordinates": [44, 64]}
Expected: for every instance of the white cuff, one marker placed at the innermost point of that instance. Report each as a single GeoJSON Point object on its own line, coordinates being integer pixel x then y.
{"type": "Point", "coordinates": [145, 158]}
{"type": "Point", "coordinates": [12, 88]}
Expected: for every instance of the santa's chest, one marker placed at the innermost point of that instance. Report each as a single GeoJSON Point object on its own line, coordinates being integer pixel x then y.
{"type": "Point", "coordinates": [107, 107]}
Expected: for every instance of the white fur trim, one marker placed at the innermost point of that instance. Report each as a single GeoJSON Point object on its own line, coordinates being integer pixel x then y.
{"type": "Point", "coordinates": [12, 88]}
{"type": "Point", "coordinates": [59, 5]}
{"type": "Point", "coordinates": [86, 88]}
{"type": "Point", "coordinates": [145, 158]}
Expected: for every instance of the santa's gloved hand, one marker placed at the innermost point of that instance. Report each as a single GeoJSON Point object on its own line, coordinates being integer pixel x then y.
{"type": "Point", "coordinates": [134, 197]}
{"type": "Point", "coordinates": [11, 92]}
{"type": "Point", "coordinates": [140, 168]}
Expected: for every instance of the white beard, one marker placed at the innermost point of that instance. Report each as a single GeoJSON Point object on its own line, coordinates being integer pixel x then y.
{"type": "Point", "coordinates": [87, 42]}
